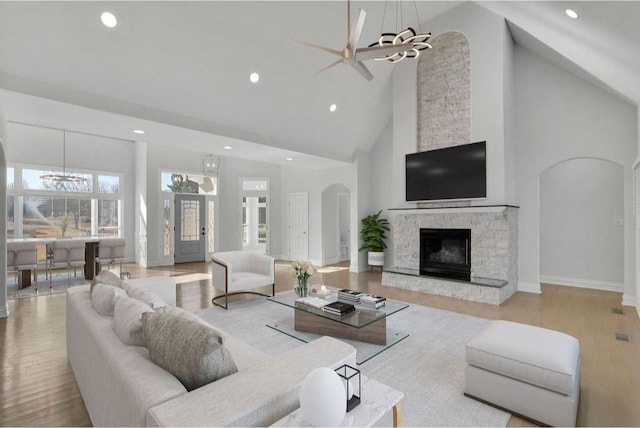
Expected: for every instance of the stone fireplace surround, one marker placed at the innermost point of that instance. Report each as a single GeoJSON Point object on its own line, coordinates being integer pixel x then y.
{"type": "Point", "coordinates": [494, 251]}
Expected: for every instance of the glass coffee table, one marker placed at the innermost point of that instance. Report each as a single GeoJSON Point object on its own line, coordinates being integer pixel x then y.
{"type": "Point", "coordinates": [365, 328]}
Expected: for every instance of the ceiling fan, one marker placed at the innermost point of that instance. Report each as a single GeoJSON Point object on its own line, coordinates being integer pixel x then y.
{"type": "Point", "coordinates": [384, 49]}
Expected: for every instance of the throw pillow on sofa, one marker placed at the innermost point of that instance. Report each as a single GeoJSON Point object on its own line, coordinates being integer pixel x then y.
{"type": "Point", "coordinates": [151, 299]}
{"type": "Point", "coordinates": [103, 298]}
{"type": "Point", "coordinates": [105, 277]}
{"type": "Point", "coordinates": [192, 352]}
{"type": "Point", "coordinates": [127, 320]}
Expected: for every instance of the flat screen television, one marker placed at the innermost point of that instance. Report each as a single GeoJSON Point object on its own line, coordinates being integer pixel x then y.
{"type": "Point", "coordinates": [458, 172]}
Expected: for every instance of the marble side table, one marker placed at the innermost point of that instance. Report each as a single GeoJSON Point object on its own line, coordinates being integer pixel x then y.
{"type": "Point", "coordinates": [377, 399]}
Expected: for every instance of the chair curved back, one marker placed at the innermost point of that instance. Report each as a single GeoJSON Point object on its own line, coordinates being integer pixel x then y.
{"type": "Point", "coordinates": [26, 254]}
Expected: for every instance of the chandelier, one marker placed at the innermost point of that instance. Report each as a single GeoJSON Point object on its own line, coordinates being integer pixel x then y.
{"type": "Point", "coordinates": [415, 42]}
{"type": "Point", "coordinates": [210, 165]}
{"type": "Point", "coordinates": [57, 177]}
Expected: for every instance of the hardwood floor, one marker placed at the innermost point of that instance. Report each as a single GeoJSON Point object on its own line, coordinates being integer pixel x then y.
{"type": "Point", "coordinates": [38, 388]}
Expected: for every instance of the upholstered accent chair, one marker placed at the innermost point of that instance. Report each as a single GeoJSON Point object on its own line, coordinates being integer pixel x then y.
{"type": "Point", "coordinates": [237, 272]}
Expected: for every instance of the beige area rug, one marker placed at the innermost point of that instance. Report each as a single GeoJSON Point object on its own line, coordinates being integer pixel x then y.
{"type": "Point", "coordinates": [428, 366]}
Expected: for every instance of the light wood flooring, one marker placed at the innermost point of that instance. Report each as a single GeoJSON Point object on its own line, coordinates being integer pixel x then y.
{"type": "Point", "coordinates": [37, 386]}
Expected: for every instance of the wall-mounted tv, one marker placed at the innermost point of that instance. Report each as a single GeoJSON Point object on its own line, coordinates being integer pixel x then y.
{"type": "Point", "coordinates": [458, 172]}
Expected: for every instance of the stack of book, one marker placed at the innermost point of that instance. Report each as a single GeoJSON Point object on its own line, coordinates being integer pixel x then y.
{"type": "Point", "coordinates": [338, 308]}
{"type": "Point", "coordinates": [349, 296]}
{"type": "Point", "coordinates": [374, 302]}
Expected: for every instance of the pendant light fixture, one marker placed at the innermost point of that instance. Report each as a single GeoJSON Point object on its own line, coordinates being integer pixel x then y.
{"type": "Point", "coordinates": [57, 177]}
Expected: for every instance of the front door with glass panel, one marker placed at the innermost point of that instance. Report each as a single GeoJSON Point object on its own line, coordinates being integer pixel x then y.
{"type": "Point", "coordinates": [190, 228]}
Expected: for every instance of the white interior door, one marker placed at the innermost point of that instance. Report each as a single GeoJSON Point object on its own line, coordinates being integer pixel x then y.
{"type": "Point", "coordinates": [298, 226]}
{"type": "Point", "coordinates": [190, 228]}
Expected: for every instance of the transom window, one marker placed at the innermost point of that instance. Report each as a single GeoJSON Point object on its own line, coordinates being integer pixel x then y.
{"type": "Point", "coordinates": [178, 182]}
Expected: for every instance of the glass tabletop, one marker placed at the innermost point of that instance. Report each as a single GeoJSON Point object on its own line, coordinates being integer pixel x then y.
{"type": "Point", "coordinates": [361, 317]}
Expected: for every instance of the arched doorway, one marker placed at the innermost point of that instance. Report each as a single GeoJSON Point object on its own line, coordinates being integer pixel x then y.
{"type": "Point", "coordinates": [582, 224]}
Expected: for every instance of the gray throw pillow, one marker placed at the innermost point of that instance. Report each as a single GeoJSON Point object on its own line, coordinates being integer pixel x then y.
{"type": "Point", "coordinates": [190, 351]}
{"type": "Point", "coordinates": [105, 277]}
{"type": "Point", "coordinates": [127, 320]}
{"type": "Point", "coordinates": [103, 298]}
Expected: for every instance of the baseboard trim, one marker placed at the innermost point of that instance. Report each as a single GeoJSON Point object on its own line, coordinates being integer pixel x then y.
{"type": "Point", "coordinates": [331, 262]}
{"type": "Point", "coordinates": [583, 283]}
{"type": "Point", "coordinates": [4, 311]}
{"type": "Point", "coordinates": [629, 300]}
{"type": "Point", "coordinates": [529, 287]}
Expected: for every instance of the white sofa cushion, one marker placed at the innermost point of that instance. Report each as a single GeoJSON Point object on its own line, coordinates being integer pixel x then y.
{"type": "Point", "coordinates": [192, 352]}
{"type": "Point", "coordinates": [545, 358]}
{"type": "Point", "coordinates": [103, 298]}
{"type": "Point", "coordinates": [127, 320]}
{"type": "Point", "coordinates": [106, 277]}
{"type": "Point", "coordinates": [153, 300]}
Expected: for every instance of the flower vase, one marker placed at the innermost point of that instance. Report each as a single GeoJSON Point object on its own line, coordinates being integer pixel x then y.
{"type": "Point", "coordinates": [301, 287]}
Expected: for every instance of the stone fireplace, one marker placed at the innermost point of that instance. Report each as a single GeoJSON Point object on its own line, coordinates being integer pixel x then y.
{"type": "Point", "coordinates": [476, 250]}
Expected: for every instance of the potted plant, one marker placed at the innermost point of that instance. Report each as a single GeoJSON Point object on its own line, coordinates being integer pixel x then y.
{"type": "Point", "coordinates": [373, 236]}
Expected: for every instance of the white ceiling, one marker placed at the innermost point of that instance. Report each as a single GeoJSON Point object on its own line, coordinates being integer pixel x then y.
{"type": "Point", "coordinates": [180, 70]}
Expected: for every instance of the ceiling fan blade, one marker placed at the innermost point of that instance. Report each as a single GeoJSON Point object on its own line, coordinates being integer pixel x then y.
{"type": "Point", "coordinates": [363, 70]}
{"type": "Point", "coordinates": [329, 66]}
{"type": "Point", "coordinates": [364, 54]}
{"type": "Point", "coordinates": [322, 48]}
{"type": "Point", "coordinates": [356, 30]}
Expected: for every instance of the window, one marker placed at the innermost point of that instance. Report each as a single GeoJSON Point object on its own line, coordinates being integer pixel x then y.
{"type": "Point", "coordinates": [167, 227]}
{"type": "Point", "coordinates": [176, 182]}
{"type": "Point", "coordinates": [108, 184]}
{"type": "Point", "coordinates": [41, 208]}
{"type": "Point", "coordinates": [210, 226]}
{"type": "Point", "coordinates": [31, 180]}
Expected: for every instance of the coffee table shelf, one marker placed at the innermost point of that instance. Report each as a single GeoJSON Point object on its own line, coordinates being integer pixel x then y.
{"type": "Point", "coordinates": [365, 328]}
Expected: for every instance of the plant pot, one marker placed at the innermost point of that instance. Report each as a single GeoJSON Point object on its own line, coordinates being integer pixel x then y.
{"type": "Point", "coordinates": [376, 258]}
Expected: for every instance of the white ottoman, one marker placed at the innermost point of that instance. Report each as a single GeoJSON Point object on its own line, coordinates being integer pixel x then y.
{"type": "Point", "coordinates": [529, 371]}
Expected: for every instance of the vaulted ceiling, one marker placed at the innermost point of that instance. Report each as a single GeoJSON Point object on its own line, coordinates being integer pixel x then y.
{"type": "Point", "coordinates": [181, 69]}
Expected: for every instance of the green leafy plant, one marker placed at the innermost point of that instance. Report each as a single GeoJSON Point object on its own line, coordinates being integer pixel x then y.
{"type": "Point", "coordinates": [373, 232]}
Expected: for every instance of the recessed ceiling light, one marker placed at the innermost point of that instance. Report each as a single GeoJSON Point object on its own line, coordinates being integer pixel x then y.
{"type": "Point", "coordinates": [227, 147]}
{"type": "Point", "coordinates": [571, 13]}
{"type": "Point", "coordinates": [332, 108]}
{"type": "Point", "coordinates": [254, 77]}
{"type": "Point", "coordinates": [138, 131]}
{"type": "Point", "coordinates": [289, 159]}
{"type": "Point", "coordinates": [108, 19]}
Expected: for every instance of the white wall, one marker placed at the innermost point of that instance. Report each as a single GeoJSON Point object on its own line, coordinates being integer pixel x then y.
{"type": "Point", "coordinates": [330, 223]}
{"type": "Point", "coordinates": [39, 146]}
{"type": "Point", "coordinates": [486, 34]}
{"type": "Point", "coordinates": [4, 307]}
{"type": "Point", "coordinates": [581, 224]}
{"type": "Point", "coordinates": [509, 132]}
{"type": "Point", "coordinates": [559, 116]}
{"type": "Point", "coordinates": [382, 171]}
{"type": "Point", "coordinates": [229, 230]}
{"type": "Point", "coordinates": [296, 179]}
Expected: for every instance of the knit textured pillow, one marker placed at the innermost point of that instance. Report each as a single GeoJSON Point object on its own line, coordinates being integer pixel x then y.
{"type": "Point", "coordinates": [190, 351]}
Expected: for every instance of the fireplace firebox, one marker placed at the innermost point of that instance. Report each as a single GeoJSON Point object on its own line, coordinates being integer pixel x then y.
{"type": "Point", "coordinates": [446, 253]}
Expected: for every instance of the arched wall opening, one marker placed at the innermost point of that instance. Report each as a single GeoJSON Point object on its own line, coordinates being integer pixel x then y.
{"type": "Point", "coordinates": [582, 224]}
{"type": "Point", "coordinates": [336, 224]}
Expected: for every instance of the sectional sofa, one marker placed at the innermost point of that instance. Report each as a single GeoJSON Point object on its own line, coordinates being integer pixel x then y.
{"type": "Point", "coordinates": [121, 386]}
